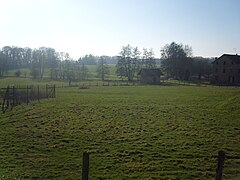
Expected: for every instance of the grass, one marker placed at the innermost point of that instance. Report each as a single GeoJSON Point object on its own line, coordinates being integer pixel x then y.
{"type": "Point", "coordinates": [92, 72]}
{"type": "Point", "coordinates": [20, 81]}
{"type": "Point", "coordinates": [143, 132]}
{"type": "Point", "coordinates": [93, 79]}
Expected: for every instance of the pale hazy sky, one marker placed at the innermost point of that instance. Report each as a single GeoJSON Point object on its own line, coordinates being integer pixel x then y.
{"type": "Point", "coordinates": [102, 27]}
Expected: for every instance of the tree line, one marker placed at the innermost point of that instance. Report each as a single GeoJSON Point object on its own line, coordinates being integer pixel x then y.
{"type": "Point", "coordinates": [38, 61]}
{"type": "Point", "coordinates": [130, 62]}
{"type": "Point", "coordinates": [176, 62]}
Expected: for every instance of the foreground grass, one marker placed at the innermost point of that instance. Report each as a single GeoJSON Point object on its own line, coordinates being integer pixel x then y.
{"type": "Point", "coordinates": [150, 132]}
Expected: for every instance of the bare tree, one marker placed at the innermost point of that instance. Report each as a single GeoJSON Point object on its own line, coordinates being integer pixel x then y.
{"type": "Point", "coordinates": [102, 68]}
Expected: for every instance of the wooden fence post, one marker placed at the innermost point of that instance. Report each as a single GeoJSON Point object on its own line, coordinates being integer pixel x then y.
{"type": "Point", "coordinates": [85, 167]}
{"type": "Point", "coordinates": [219, 170]}
{"type": "Point", "coordinates": [15, 96]}
{"type": "Point", "coordinates": [6, 100]}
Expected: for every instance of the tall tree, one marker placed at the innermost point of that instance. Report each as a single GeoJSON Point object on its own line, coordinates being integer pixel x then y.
{"type": "Point", "coordinates": [126, 54]}
{"type": "Point", "coordinates": [136, 63]}
{"type": "Point", "coordinates": [121, 67]}
{"type": "Point", "coordinates": [176, 60]}
{"type": "Point", "coordinates": [125, 65]}
{"type": "Point", "coordinates": [42, 60]}
{"type": "Point", "coordinates": [8, 52]}
{"type": "Point", "coordinates": [61, 56]}
{"type": "Point", "coordinates": [27, 57]}
{"type": "Point", "coordinates": [201, 67]}
{"type": "Point", "coordinates": [89, 59]}
{"type": "Point", "coordinates": [84, 72]}
{"type": "Point", "coordinates": [148, 58]}
{"type": "Point", "coordinates": [35, 72]}
{"type": "Point", "coordinates": [102, 68]}
{"type": "Point", "coordinates": [3, 63]}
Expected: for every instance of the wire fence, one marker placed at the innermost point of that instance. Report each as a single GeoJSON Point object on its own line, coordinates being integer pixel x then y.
{"type": "Point", "coordinates": [13, 96]}
{"type": "Point", "coordinates": [220, 161]}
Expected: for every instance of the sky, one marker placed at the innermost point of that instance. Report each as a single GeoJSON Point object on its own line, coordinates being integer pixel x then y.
{"type": "Point", "coordinates": [102, 27]}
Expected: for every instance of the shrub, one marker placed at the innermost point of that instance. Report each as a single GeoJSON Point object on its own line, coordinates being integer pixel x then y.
{"type": "Point", "coordinates": [17, 73]}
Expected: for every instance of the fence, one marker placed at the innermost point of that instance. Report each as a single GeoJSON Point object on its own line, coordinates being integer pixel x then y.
{"type": "Point", "coordinates": [88, 84]}
{"type": "Point", "coordinates": [218, 176]}
{"type": "Point", "coordinates": [106, 83]}
{"type": "Point", "coordinates": [13, 96]}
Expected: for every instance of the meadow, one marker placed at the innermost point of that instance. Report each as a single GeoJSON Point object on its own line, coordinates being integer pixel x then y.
{"type": "Point", "coordinates": [138, 132]}
{"type": "Point", "coordinates": [91, 71]}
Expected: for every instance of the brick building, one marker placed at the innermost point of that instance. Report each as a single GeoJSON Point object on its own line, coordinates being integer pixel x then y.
{"type": "Point", "coordinates": [226, 70]}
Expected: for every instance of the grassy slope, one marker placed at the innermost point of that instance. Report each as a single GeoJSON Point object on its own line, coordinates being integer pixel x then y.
{"type": "Point", "coordinates": [4, 82]}
{"type": "Point", "coordinates": [132, 132]}
{"type": "Point", "coordinates": [92, 72]}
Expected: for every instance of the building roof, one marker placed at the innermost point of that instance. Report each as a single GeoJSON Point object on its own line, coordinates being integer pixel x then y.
{"type": "Point", "coordinates": [231, 57]}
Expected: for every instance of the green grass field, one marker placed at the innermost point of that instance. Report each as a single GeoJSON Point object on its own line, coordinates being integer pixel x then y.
{"type": "Point", "coordinates": [141, 132]}
{"type": "Point", "coordinates": [92, 72]}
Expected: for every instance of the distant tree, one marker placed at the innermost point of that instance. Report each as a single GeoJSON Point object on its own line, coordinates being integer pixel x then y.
{"type": "Point", "coordinates": [16, 57]}
{"type": "Point", "coordinates": [176, 60]}
{"type": "Point", "coordinates": [82, 72]}
{"type": "Point", "coordinates": [54, 74]}
{"type": "Point", "coordinates": [136, 63]}
{"type": "Point", "coordinates": [68, 69]}
{"type": "Point", "coordinates": [25, 73]}
{"type": "Point", "coordinates": [201, 67]}
{"type": "Point", "coordinates": [70, 77]}
{"type": "Point", "coordinates": [121, 67]}
{"type": "Point", "coordinates": [148, 58]}
{"type": "Point", "coordinates": [27, 56]}
{"type": "Point", "coordinates": [61, 56]}
{"type": "Point", "coordinates": [53, 62]}
{"type": "Point", "coordinates": [37, 60]}
{"type": "Point", "coordinates": [17, 73]}
{"type": "Point", "coordinates": [125, 63]}
{"type": "Point", "coordinates": [102, 68]}
{"type": "Point", "coordinates": [8, 55]}
{"type": "Point", "coordinates": [3, 63]}
{"type": "Point", "coordinates": [111, 60]}
{"type": "Point", "coordinates": [89, 59]}
{"type": "Point", "coordinates": [34, 73]}
{"type": "Point", "coordinates": [126, 54]}
{"type": "Point", "coordinates": [129, 62]}
{"type": "Point", "coordinates": [65, 64]}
